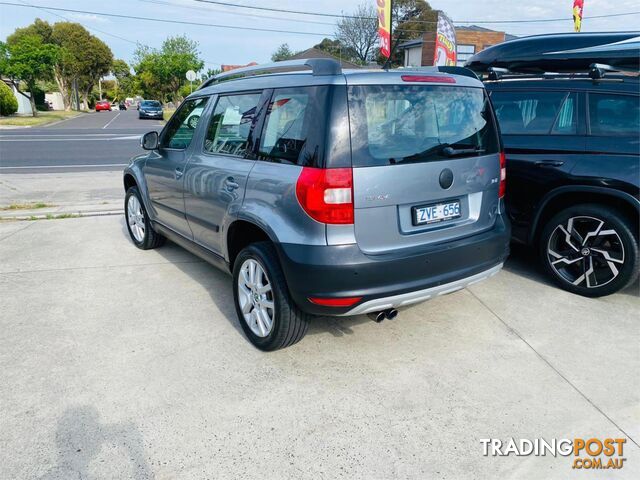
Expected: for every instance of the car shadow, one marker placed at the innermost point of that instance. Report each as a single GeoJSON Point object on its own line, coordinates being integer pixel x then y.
{"type": "Point", "coordinates": [218, 284]}
{"type": "Point", "coordinates": [80, 438]}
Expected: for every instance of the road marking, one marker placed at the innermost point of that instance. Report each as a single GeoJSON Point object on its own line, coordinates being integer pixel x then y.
{"type": "Point", "coordinates": [65, 166]}
{"type": "Point", "coordinates": [110, 121]}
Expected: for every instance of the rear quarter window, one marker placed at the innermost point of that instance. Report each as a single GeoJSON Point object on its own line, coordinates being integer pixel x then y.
{"type": "Point", "coordinates": [617, 115]}
{"type": "Point", "coordinates": [392, 124]}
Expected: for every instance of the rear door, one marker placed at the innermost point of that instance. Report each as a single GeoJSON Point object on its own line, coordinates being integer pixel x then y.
{"type": "Point", "coordinates": [216, 175]}
{"type": "Point", "coordinates": [426, 163]}
{"type": "Point", "coordinates": [543, 135]}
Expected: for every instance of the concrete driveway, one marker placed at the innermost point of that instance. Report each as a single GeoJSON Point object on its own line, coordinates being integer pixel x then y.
{"type": "Point", "coordinates": [118, 363]}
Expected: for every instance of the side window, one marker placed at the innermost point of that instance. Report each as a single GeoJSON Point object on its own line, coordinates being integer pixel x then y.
{"type": "Point", "coordinates": [182, 126]}
{"type": "Point", "coordinates": [567, 119]}
{"type": "Point", "coordinates": [295, 125]}
{"type": "Point", "coordinates": [230, 125]}
{"type": "Point", "coordinates": [533, 113]}
{"type": "Point", "coordinates": [614, 114]}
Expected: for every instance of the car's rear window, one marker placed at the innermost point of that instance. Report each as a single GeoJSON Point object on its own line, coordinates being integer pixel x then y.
{"type": "Point", "coordinates": [392, 124]}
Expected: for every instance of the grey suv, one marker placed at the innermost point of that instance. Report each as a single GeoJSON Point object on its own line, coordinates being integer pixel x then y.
{"type": "Point", "coordinates": [326, 192]}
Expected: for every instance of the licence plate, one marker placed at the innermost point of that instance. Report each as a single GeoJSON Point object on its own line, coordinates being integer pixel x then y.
{"type": "Point", "coordinates": [440, 212]}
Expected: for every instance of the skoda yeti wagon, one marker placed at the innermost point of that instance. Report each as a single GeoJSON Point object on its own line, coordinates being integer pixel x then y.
{"type": "Point", "coordinates": [326, 192]}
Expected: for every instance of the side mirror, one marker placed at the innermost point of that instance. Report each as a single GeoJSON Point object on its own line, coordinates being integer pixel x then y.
{"type": "Point", "coordinates": [150, 141]}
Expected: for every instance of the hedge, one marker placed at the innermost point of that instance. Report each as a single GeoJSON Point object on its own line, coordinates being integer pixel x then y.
{"type": "Point", "coordinates": [8, 101]}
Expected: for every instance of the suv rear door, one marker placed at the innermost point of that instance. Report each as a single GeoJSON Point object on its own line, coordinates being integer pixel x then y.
{"type": "Point", "coordinates": [543, 135]}
{"type": "Point", "coordinates": [216, 175]}
{"type": "Point", "coordinates": [418, 145]}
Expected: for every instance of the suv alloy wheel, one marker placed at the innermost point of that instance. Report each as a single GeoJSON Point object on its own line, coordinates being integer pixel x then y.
{"type": "Point", "coordinates": [590, 250]}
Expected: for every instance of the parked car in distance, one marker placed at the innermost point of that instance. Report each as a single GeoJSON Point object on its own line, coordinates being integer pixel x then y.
{"type": "Point", "coordinates": [326, 192]}
{"type": "Point", "coordinates": [150, 109]}
{"type": "Point", "coordinates": [103, 105]}
{"type": "Point", "coordinates": [573, 163]}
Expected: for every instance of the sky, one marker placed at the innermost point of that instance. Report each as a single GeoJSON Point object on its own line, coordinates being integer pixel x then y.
{"type": "Point", "coordinates": [227, 46]}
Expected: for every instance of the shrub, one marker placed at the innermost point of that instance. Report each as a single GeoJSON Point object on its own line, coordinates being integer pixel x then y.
{"type": "Point", "coordinates": [8, 102]}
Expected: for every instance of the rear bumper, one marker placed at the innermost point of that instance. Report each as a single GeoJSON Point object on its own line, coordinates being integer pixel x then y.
{"type": "Point", "coordinates": [390, 280]}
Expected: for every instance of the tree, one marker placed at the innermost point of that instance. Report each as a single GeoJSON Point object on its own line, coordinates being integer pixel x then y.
{"type": "Point", "coordinates": [30, 60]}
{"type": "Point", "coordinates": [8, 102]}
{"type": "Point", "coordinates": [84, 59]}
{"type": "Point", "coordinates": [162, 72]}
{"type": "Point", "coordinates": [283, 52]}
{"type": "Point", "coordinates": [359, 32]}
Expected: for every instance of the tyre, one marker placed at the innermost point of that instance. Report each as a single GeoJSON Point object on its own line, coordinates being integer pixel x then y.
{"type": "Point", "coordinates": [138, 224]}
{"type": "Point", "coordinates": [268, 315]}
{"type": "Point", "coordinates": [590, 250]}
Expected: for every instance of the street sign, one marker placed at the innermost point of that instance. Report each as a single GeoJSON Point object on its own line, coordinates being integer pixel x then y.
{"type": "Point", "coordinates": [191, 75]}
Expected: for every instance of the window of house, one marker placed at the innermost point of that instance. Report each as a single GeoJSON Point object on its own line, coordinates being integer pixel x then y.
{"type": "Point", "coordinates": [614, 114]}
{"type": "Point", "coordinates": [464, 52]}
{"type": "Point", "coordinates": [230, 125]}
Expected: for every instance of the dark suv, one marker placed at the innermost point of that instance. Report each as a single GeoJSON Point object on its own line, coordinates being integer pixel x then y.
{"type": "Point", "coordinates": [326, 192]}
{"type": "Point", "coordinates": [573, 157]}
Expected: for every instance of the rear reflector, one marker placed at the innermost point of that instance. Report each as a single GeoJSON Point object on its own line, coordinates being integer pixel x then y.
{"type": "Point", "coordinates": [326, 194]}
{"type": "Point", "coordinates": [335, 302]}
{"type": "Point", "coordinates": [503, 175]}
{"type": "Point", "coordinates": [428, 79]}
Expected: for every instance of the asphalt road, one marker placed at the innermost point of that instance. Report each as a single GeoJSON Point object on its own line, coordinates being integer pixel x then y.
{"type": "Point", "coordinates": [96, 141]}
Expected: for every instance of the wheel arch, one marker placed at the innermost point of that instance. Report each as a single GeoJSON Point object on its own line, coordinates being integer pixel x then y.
{"type": "Point", "coordinates": [565, 197]}
{"type": "Point", "coordinates": [243, 232]}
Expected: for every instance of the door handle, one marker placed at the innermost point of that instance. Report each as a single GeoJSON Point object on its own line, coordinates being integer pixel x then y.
{"type": "Point", "coordinates": [549, 163]}
{"type": "Point", "coordinates": [230, 184]}
{"type": "Point", "coordinates": [179, 173]}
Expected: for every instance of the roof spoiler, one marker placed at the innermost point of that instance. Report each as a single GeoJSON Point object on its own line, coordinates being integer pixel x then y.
{"type": "Point", "coordinates": [318, 67]}
{"type": "Point", "coordinates": [465, 72]}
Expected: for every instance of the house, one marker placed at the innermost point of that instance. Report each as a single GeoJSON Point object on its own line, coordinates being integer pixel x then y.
{"type": "Point", "coordinates": [24, 106]}
{"type": "Point", "coordinates": [469, 41]}
{"type": "Point", "coordinates": [226, 68]}
{"type": "Point", "coordinates": [317, 53]}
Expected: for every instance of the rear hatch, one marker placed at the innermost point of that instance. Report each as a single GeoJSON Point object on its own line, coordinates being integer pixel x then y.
{"type": "Point", "coordinates": [426, 160]}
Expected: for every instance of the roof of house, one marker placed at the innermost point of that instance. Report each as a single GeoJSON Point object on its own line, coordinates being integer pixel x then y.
{"type": "Point", "coordinates": [317, 53]}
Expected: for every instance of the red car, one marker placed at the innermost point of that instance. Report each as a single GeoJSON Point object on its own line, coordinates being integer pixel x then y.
{"type": "Point", "coordinates": [103, 105]}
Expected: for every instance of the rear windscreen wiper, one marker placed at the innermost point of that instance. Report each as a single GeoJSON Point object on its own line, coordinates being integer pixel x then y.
{"type": "Point", "coordinates": [453, 152]}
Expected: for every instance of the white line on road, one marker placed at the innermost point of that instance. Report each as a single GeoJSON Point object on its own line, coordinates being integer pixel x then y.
{"type": "Point", "coordinates": [65, 166]}
{"type": "Point", "coordinates": [109, 122]}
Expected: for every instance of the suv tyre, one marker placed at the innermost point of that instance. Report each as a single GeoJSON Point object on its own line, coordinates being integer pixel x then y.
{"type": "Point", "coordinates": [590, 250]}
{"type": "Point", "coordinates": [268, 315]}
{"type": "Point", "coordinates": [140, 230]}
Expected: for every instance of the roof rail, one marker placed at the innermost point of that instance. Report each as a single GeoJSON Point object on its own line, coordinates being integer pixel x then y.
{"type": "Point", "coordinates": [318, 66]}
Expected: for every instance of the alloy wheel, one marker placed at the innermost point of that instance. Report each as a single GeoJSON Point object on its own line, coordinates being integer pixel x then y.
{"type": "Point", "coordinates": [255, 296]}
{"type": "Point", "coordinates": [586, 252]}
{"type": "Point", "coordinates": [135, 218]}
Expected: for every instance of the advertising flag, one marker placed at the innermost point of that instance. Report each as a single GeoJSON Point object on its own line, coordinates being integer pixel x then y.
{"type": "Point", "coordinates": [578, 10]}
{"type": "Point", "coordinates": [445, 51]}
{"type": "Point", "coordinates": [384, 26]}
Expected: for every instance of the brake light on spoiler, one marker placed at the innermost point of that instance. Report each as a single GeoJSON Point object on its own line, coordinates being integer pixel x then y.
{"type": "Point", "coordinates": [428, 78]}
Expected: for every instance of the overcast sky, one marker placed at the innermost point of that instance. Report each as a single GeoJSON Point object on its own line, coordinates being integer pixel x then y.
{"type": "Point", "coordinates": [239, 47]}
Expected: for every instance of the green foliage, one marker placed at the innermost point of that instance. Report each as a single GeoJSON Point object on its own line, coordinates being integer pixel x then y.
{"type": "Point", "coordinates": [411, 19]}
{"type": "Point", "coordinates": [337, 49]}
{"type": "Point", "coordinates": [162, 72]}
{"type": "Point", "coordinates": [8, 102]}
{"type": "Point", "coordinates": [282, 53]}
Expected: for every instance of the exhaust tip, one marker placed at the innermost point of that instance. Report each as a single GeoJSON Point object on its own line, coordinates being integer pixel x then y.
{"type": "Point", "coordinates": [391, 313]}
{"type": "Point", "coordinates": [377, 317]}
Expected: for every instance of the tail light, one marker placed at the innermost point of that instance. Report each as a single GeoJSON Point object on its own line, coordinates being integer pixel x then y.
{"type": "Point", "coordinates": [326, 194]}
{"type": "Point", "coordinates": [503, 175]}
{"type": "Point", "coordinates": [335, 302]}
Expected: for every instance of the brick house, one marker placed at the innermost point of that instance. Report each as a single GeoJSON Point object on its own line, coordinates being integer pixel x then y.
{"type": "Point", "coordinates": [469, 41]}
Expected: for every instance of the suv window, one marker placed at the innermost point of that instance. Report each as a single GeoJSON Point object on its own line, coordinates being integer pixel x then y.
{"type": "Point", "coordinates": [536, 113]}
{"type": "Point", "coordinates": [230, 124]}
{"type": "Point", "coordinates": [295, 125]}
{"type": "Point", "coordinates": [393, 124]}
{"type": "Point", "coordinates": [614, 114]}
{"type": "Point", "coordinates": [180, 130]}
